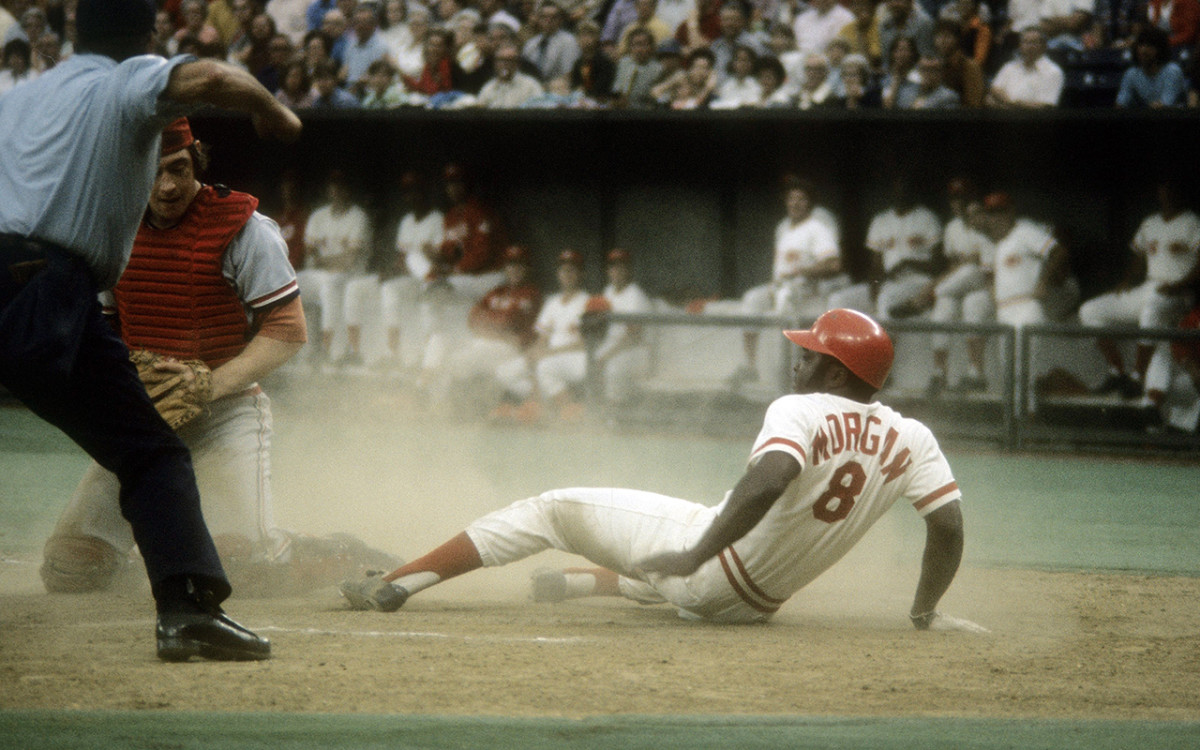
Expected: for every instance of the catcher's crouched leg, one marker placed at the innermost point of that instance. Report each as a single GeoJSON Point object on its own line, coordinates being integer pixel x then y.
{"type": "Point", "coordinates": [78, 564]}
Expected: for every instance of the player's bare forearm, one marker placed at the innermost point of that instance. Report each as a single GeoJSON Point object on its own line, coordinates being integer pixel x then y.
{"type": "Point", "coordinates": [752, 497]}
{"type": "Point", "coordinates": [260, 358]}
{"type": "Point", "coordinates": [227, 86]}
{"type": "Point", "coordinates": [943, 553]}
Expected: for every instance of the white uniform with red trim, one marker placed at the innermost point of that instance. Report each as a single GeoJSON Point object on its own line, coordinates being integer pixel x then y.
{"type": "Point", "coordinates": [559, 322]}
{"type": "Point", "coordinates": [896, 238]}
{"type": "Point", "coordinates": [230, 443]}
{"type": "Point", "coordinates": [1170, 248]}
{"type": "Point", "coordinates": [856, 461]}
{"type": "Point", "coordinates": [1020, 256]}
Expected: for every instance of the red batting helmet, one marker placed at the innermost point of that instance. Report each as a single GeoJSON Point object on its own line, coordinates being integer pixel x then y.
{"type": "Point", "coordinates": [853, 339]}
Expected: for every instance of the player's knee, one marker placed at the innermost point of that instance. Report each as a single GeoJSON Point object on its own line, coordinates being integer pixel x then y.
{"type": "Point", "coordinates": [78, 564]}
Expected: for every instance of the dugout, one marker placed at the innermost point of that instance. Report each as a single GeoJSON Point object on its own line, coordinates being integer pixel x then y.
{"type": "Point", "coordinates": [694, 196]}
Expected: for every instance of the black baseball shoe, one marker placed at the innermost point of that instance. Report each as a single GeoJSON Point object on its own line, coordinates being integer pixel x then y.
{"type": "Point", "coordinates": [209, 635]}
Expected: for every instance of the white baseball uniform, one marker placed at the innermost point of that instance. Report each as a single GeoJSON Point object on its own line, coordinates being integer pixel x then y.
{"type": "Point", "coordinates": [797, 246]}
{"type": "Point", "coordinates": [400, 296]}
{"type": "Point", "coordinates": [1020, 256]}
{"type": "Point", "coordinates": [856, 461]}
{"type": "Point", "coordinates": [964, 294]}
{"type": "Point", "coordinates": [329, 235]}
{"type": "Point", "coordinates": [559, 322]}
{"type": "Point", "coordinates": [911, 236]}
{"type": "Point", "coordinates": [230, 442]}
{"type": "Point", "coordinates": [1171, 249]}
{"type": "Point", "coordinates": [627, 366]}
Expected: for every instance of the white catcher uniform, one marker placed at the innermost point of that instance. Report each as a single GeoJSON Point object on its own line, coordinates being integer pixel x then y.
{"type": "Point", "coordinates": [1171, 249]}
{"type": "Point", "coordinates": [856, 460]}
{"type": "Point", "coordinates": [230, 443]}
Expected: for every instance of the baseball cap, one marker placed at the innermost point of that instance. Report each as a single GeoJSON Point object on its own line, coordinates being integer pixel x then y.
{"type": "Point", "coordinates": [515, 254]}
{"type": "Point", "coordinates": [454, 172]}
{"type": "Point", "coordinates": [997, 202]}
{"type": "Point", "coordinates": [618, 255]}
{"type": "Point", "coordinates": [570, 256]}
{"type": "Point", "coordinates": [176, 137]}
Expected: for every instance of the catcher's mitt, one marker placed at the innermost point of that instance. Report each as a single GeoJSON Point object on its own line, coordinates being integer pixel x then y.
{"type": "Point", "coordinates": [179, 397]}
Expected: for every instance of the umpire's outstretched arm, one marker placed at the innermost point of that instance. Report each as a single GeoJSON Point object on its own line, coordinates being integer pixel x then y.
{"type": "Point", "coordinates": [223, 85]}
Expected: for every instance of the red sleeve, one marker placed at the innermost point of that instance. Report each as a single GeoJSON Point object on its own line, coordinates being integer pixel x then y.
{"type": "Point", "coordinates": [480, 250]}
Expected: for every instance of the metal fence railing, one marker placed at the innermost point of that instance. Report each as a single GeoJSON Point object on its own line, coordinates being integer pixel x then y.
{"type": "Point", "coordinates": [1012, 413]}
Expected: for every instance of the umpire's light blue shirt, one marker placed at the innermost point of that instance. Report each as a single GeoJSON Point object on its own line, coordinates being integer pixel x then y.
{"type": "Point", "coordinates": [79, 155]}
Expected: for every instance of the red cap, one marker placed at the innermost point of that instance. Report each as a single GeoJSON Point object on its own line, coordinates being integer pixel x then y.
{"type": "Point", "coordinates": [570, 256]}
{"type": "Point", "coordinates": [853, 339]}
{"type": "Point", "coordinates": [597, 304]}
{"type": "Point", "coordinates": [617, 255]}
{"type": "Point", "coordinates": [515, 254]}
{"type": "Point", "coordinates": [176, 137]}
{"type": "Point", "coordinates": [997, 202]}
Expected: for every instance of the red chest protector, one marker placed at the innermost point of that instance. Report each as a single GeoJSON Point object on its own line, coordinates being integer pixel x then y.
{"type": "Point", "coordinates": [172, 298]}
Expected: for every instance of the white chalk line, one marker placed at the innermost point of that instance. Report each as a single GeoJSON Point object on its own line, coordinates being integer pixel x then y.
{"type": "Point", "coordinates": [423, 634]}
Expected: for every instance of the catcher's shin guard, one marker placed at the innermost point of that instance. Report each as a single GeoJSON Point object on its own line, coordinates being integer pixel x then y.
{"type": "Point", "coordinates": [78, 564]}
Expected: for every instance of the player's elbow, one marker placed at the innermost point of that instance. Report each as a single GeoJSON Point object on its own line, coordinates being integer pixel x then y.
{"type": "Point", "coordinates": [945, 525]}
{"type": "Point", "coordinates": [198, 81]}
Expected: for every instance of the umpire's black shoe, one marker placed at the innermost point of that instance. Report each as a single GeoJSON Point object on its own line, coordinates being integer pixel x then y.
{"type": "Point", "coordinates": [209, 635]}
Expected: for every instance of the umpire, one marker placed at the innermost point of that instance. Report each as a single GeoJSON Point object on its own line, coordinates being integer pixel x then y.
{"type": "Point", "coordinates": [81, 145]}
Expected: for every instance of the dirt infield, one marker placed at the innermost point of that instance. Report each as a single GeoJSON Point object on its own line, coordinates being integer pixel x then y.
{"type": "Point", "coordinates": [1066, 645]}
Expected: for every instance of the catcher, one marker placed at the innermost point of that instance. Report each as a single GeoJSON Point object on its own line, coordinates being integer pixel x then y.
{"type": "Point", "coordinates": [208, 305]}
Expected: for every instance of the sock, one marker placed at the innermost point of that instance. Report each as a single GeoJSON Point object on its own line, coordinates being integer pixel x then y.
{"type": "Point", "coordinates": [591, 582]}
{"type": "Point", "coordinates": [453, 558]}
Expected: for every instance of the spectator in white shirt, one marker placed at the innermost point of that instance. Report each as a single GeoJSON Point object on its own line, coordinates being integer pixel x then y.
{"type": "Point", "coordinates": [1031, 81]}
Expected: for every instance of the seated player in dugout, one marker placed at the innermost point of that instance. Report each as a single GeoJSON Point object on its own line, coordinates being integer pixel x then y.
{"type": "Point", "coordinates": [210, 290]}
{"type": "Point", "coordinates": [828, 462]}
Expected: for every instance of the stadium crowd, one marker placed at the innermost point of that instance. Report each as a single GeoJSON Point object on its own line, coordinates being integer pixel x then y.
{"type": "Point", "coordinates": [460, 309]}
{"type": "Point", "coordinates": [676, 54]}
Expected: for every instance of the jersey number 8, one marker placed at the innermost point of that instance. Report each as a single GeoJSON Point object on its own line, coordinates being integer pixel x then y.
{"type": "Point", "coordinates": [835, 502]}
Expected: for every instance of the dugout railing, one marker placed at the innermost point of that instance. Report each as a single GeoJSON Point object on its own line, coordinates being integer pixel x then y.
{"type": "Point", "coordinates": [1056, 416]}
{"type": "Point", "coordinates": [1038, 395]}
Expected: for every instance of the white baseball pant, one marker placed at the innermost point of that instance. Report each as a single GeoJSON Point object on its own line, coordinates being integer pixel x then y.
{"type": "Point", "coordinates": [616, 529]}
{"type": "Point", "coordinates": [964, 295]}
{"type": "Point", "coordinates": [327, 290]}
{"type": "Point", "coordinates": [230, 448]}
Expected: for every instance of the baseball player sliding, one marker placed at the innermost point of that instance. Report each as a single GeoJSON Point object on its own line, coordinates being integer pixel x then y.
{"type": "Point", "coordinates": [828, 462]}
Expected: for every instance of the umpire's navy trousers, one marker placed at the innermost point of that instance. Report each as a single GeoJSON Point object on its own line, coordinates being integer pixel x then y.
{"type": "Point", "coordinates": [64, 361]}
